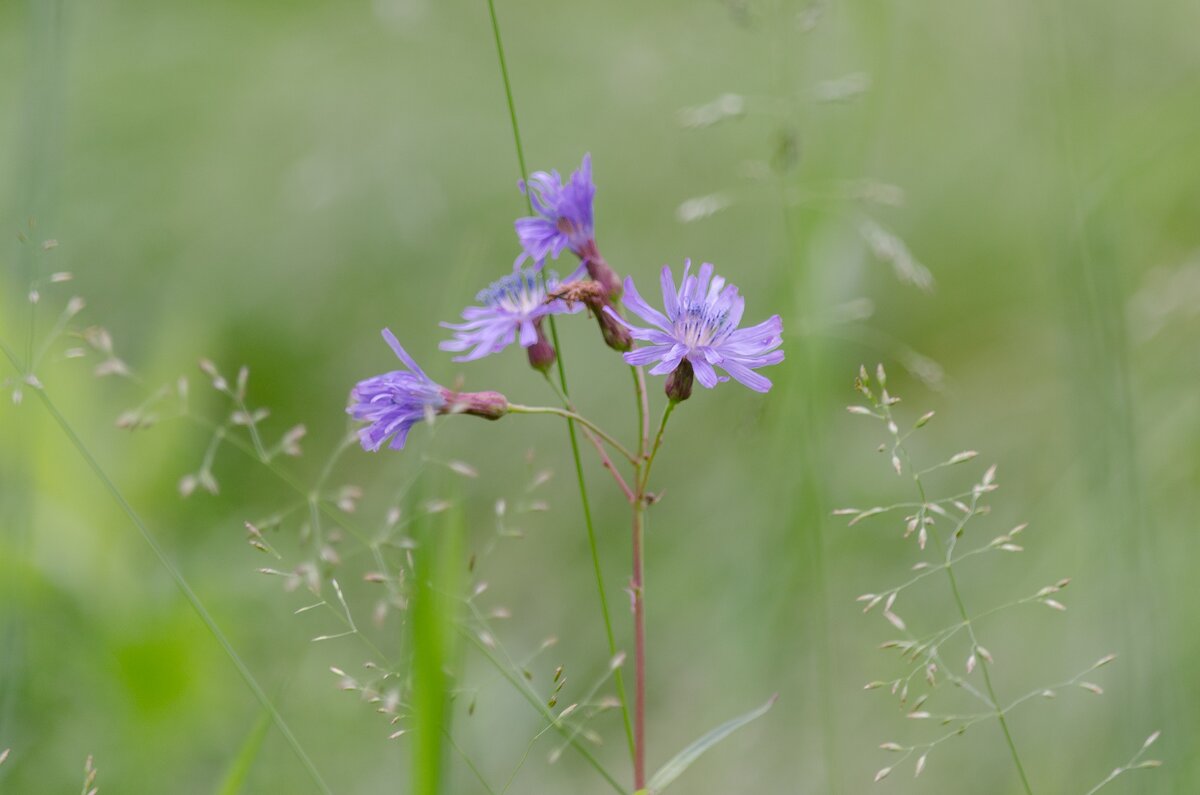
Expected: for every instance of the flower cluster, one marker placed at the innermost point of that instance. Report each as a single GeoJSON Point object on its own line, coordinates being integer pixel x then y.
{"type": "Point", "coordinates": [696, 333]}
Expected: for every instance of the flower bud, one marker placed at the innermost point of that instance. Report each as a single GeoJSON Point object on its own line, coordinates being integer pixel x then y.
{"type": "Point", "coordinates": [599, 270]}
{"type": "Point", "coordinates": [616, 336]}
{"type": "Point", "coordinates": [596, 297]}
{"type": "Point", "coordinates": [679, 382]}
{"type": "Point", "coordinates": [541, 353]}
{"type": "Point", "coordinates": [489, 405]}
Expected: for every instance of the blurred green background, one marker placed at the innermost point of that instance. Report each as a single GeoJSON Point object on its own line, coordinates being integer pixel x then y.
{"type": "Point", "coordinates": [269, 184]}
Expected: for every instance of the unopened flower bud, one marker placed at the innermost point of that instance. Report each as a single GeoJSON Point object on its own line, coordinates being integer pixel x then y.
{"type": "Point", "coordinates": [679, 382]}
{"type": "Point", "coordinates": [616, 336]}
{"type": "Point", "coordinates": [489, 405]}
{"type": "Point", "coordinates": [600, 271]}
{"type": "Point", "coordinates": [541, 353]}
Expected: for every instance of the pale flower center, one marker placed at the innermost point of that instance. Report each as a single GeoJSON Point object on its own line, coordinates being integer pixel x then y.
{"type": "Point", "coordinates": [520, 294]}
{"type": "Point", "coordinates": [698, 325]}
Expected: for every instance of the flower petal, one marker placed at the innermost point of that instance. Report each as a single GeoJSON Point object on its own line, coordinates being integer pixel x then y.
{"type": "Point", "coordinates": [670, 361]}
{"type": "Point", "coordinates": [401, 354]}
{"type": "Point", "coordinates": [705, 374]}
{"type": "Point", "coordinates": [528, 334]}
{"type": "Point", "coordinates": [643, 356]}
{"type": "Point", "coordinates": [746, 376]}
{"type": "Point", "coordinates": [669, 292]}
{"type": "Point", "coordinates": [765, 331]}
{"type": "Point", "coordinates": [639, 307]}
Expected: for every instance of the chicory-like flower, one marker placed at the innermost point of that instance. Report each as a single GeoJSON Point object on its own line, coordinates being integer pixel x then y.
{"type": "Point", "coordinates": [510, 310]}
{"type": "Point", "coordinates": [393, 402]}
{"type": "Point", "coordinates": [699, 331]}
{"type": "Point", "coordinates": [564, 215]}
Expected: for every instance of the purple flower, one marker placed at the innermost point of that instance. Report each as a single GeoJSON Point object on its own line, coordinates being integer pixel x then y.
{"type": "Point", "coordinates": [511, 309]}
{"type": "Point", "coordinates": [564, 215]}
{"type": "Point", "coordinates": [700, 327]}
{"type": "Point", "coordinates": [393, 402]}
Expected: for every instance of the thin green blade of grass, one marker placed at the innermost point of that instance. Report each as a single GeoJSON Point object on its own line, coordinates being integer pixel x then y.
{"type": "Point", "coordinates": [673, 769]}
{"type": "Point", "coordinates": [239, 769]}
{"type": "Point", "coordinates": [562, 381]}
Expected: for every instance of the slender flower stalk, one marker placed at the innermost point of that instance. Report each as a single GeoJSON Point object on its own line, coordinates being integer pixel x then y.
{"type": "Point", "coordinates": [516, 408]}
{"type": "Point", "coordinates": [637, 588]}
{"type": "Point", "coordinates": [605, 460]}
{"type": "Point", "coordinates": [643, 407]}
{"type": "Point", "coordinates": [618, 678]}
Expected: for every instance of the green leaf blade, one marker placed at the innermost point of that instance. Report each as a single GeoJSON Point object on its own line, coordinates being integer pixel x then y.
{"type": "Point", "coordinates": [683, 760]}
{"type": "Point", "coordinates": [238, 772]}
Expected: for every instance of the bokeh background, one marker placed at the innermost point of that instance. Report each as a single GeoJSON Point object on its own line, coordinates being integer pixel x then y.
{"type": "Point", "coordinates": [269, 184]}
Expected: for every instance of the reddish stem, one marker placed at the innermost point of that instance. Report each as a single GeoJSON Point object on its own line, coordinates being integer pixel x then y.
{"type": "Point", "coordinates": [639, 608]}
{"type": "Point", "coordinates": [607, 462]}
{"type": "Point", "coordinates": [639, 640]}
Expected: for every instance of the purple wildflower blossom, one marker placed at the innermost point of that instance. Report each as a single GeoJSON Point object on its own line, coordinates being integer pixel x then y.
{"type": "Point", "coordinates": [393, 402]}
{"type": "Point", "coordinates": [564, 214]}
{"type": "Point", "coordinates": [700, 327]}
{"type": "Point", "coordinates": [512, 308]}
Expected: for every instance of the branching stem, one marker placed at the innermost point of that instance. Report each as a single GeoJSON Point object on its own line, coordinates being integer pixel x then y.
{"type": "Point", "coordinates": [517, 408]}
{"type": "Point", "coordinates": [605, 460]}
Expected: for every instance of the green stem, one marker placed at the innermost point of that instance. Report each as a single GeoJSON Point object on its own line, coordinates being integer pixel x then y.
{"type": "Point", "coordinates": [562, 379]}
{"type": "Point", "coordinates": [643, 408]}
{"type": "Point", "coordinates": [662, 426]}
{"type": "Point", "coordinates": [512, 106]}
{"type": "Point", "coordinates": [517, 408]}
{"type": "Point", "coordinates": [180, 582]}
